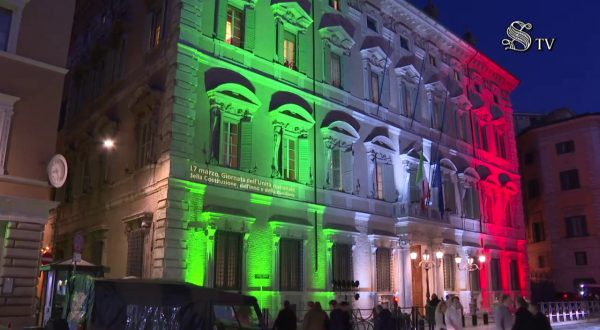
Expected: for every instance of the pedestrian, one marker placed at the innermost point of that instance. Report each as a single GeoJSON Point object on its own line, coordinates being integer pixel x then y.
{"type": "Point", "coordinates": [386, 321]}
{"type": "Point", "coordinates": [502, 315]}
{"type": "Point", "coordinates": [338, 318]}
{"type": "Point", "coordinates": [286, 319]}
{"type": "Point", "coordinates": [540, 321]}
{"type": "Point", "coordinates": [440, 311]}
{"type": "Point", "coordinates": [430, 310]}
{"type": "Point", "coordinates": [523, 318]}
{"type": "Point", "coordinates": [347, 309]}
{"type": "Point", "coordinates": [315, 318]}
{"type": "Point", "coordinates": [453, 316]}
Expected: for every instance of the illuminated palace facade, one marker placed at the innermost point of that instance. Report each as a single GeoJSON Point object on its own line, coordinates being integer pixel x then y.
{"type": "Point", "coordinates": [274, 148]}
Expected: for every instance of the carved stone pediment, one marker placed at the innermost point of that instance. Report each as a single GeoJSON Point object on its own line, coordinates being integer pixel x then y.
{"type": "Point", "coordinates": [377, 51]}
{"type": "Point", "coordinates": [294, 14]}
{"type": "Point", "coordinates": [338, 32]}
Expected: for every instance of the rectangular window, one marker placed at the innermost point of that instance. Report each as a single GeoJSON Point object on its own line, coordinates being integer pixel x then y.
{"type": "Point", "coordinates": [407, 100]}
{"type": "Point", "coordinates": [230, 144]}
{"type": "Point", "coordinates": [404, 43]}
{"type": "Point", "coordinates": [289, 158]}
{"type": "Point", "coordinates": [456, 75]}
{"type": "Point", "coordinates": [449, 195]}
{"type": "Point", "coordinates": [576, 226]}
{"type": "Point", "coordinates": [569, 180]}
{"type": "Point", "coordinates": [336, 70]}
{"type": "Point", "coordinates": [336, 168]}
{"type": "Point", "coordinates": [5, 21]}
{"type": "Point", "coordinates": [565, 147]}
{"type": "Point", "coordinates": [155, 24]}
{"type": "Point", "coordinates": [449, 272]}
{"type": "Point", "coordinates": [335, 4]}
{"type": "Point", "coordinates": [533, 188]}
{"type": "Point", "coordinates": [432, 60]}
{"type": "Point", "coordinates": [234, 30]}
{"type": "Point", "coordinates": [144, 142]}
{"type": "Point", "coordinates": [289, 50]}
{"type": "Point", "coordinates": [342, 262]}
{"type": "Point", "coordinates": [135, 252]}
{"type": "Point", "coordinates": [472, 207]}
{"type": "Point", "coordinates": [475, 279]}
{"type": "Point", "coordinates": [383, 263]}
{"type": "Point", "coordinates": [371, 24]}
{"type": "Point", "coordinates": [228, 260]}
{"type": "Point", "coordinates": [463, 127]}
{"type": "Point", "coordinates": [496, 275]}
{"type": "Point", "coordinates": [538, 232]}
{"type": "Point", "coordinates": [496, 99]}
{"type": "Point", "coordinates": [500, 145]}
{"type": "Point", "coordinates": [484, 139]}
{"type": "Point", "coordinates": [515, 284]}
{"type": "Point", "coordinates": [581, 258]}
{"type": "Point", "coordinates": [290, 265]}
{"type": "Point", "coordinates": [541, 262]}
{"type": "Point", "coordinates": [379, 191]}
{"type": "Point", "coordinates": [374, 87]}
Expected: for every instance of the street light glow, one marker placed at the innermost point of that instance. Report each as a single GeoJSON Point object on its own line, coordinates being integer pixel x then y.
{"type": "Point", "coordinates": [413, 255]}
{"type": "Point", "coordinates": [439, 254]}
{"type": "Point", "coordinates": [482, 258]}
{"type": "Point", "coordinates": [108, 143]}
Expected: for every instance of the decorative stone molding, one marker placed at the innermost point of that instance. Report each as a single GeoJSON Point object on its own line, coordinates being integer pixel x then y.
{"type": "Point", "coordinates": [295, 14]}
{"type": "Point", "coordinates": [7, 103]}
{"type": "Point", "coordinates": [337, 32]}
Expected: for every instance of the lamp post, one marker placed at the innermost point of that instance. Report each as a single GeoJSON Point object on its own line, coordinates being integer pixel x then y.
{"type": "Point", "coordinates": [427, 263]}
{"type": "Point", "coordinates": [470, 266]}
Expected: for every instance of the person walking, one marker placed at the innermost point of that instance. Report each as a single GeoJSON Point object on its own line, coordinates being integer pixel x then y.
{"type": "Point", "coordinates": [540, 321]}
{"type": "Point", "coordinates": [453, 315]}
{"type": "Point", "coordinates": [315, 318]}
{"type": "Point", "coordinates": [502, 315]}
{"type": "Point", "coordinates": [440, 311]}
{"type": "Point", "coordinates": [286, 319]}
{"type": "Point", "coordinates": [339, 319]}
{"type": "Point", "coordinates": [430, 310]}
{"type": "Point", "coordinates": [523, 318]}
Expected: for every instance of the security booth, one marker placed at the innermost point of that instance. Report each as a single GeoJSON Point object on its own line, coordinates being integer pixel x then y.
{"type": "Point", "coordinates": [55, 278]}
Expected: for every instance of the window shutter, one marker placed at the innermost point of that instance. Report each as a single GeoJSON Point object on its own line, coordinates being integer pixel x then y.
{"type": "Point", "coordinates": [215, 135]}
{"type": "Point", "coordinates": [327, 66]}
{"type": "Point", "coordinates": [347, 170]}
{"type": "Point", "coordinates": [246, 144]}
{"type": "Point", "coordinates": [389, 185]}
{"type": "Point", "coordinates": [328, 167]}
{"type": "Point", "coordinates": [304, 59]}
{"type": "Point", "coordinates": [449, 196]}
{"type": "Point", "coordinates": [303, 163]}
{"type": "Point", "coordinates": [221, 19]}
{"type": "Point", "coordinates": [385, 89]}
{"type": "Point", "coordinates": [249, 34]}
{"type": "Point", "coordinates": [344, 64]}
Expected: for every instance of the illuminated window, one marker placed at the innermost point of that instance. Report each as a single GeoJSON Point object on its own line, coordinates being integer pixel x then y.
{"type": "Point", "coordinates": [432, 60]}
{"type": "Point", "coordinates": [290, 265]}
{"type": "Point", "coordinates": [565, 147]}
{"type": "Point", "coordinates": [569, 179]}
{"type": "Point", "coordinates": [379, 181]}
{"type": "Point", "coordinates": [336, 70]}
{"type": "Point", "coordinates": [234, 31]}
{"type": "Point", "coordinates": [374, 87]}
{"type": "Point", "coordinates": [336, 168]}
{"type": "Point", "coordinates": [335, 4]}
{"type": "Point", "coordinates": [581, 258]}
{"type": "Point", "coordinates": [383, 267]}
{"type": "Point", "coordinates": [155, 21]}
{"type": "Point", "coordinates": [496, 274]}
{"type": "Point", "coordinates": [342, 262]}
{"type": "Point", "coordinates": [514, 275]}
{"type": "Point", "coordinates": [228, 260]}
{"type": "Point", "coordinates": [289, 50]}
{"type": "Point", "coordinates": [289, 158]}
{"type": "Point", "coordinates": [576, 226]}
{"type": "Point", "coordinates": [5, 21]}
{"type": "Point", "coordinates": [449, 272]}
{"type": "Point", "coordinates": [230, 144]}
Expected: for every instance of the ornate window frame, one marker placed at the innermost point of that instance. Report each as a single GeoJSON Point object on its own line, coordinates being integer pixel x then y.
{"type": "Point", "coordinates": [7, 103]}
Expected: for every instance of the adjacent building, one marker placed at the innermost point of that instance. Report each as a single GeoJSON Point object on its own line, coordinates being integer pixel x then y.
{"type": "Point", "coordinates": [34, 39]}
{"type": "Point", "coordinates": [560, 179]}
{"type": "Point", "coordinates": [287, 148]}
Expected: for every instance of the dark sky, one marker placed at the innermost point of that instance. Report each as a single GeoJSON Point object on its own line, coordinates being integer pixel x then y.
{"type": "Point", "coordinates": [569, 75]}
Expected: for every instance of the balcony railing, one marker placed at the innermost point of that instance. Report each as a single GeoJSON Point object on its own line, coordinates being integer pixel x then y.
{"type": "Point", "coordinates": [570, 311]}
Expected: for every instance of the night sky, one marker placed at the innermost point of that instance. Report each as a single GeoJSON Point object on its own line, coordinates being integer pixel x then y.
{"type": "Point", "coordinates": [567, 76]}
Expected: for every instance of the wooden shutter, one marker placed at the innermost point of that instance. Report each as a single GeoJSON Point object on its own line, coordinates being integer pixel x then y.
{"type": "Point", "coordinates": [449, 272]}
{"type": "Point", "coordinates": [280, 37]}
{"type": "Point", "coordinates": [304, 60]}
{"type": "Point", "coordinates": [303, 162]}
{"type": "Point", "coordinates": [389, 184]}
{"type": "Point", "coordinates": [250, 26]}
{"type": "Point", "coordinates": [383, 262]}
{"type": "Point", "coordinates": [347, 171]}
{"type": "Point", "coordinates": [246, 144]}
{"type": "Point", "coordinates": [221, 19]}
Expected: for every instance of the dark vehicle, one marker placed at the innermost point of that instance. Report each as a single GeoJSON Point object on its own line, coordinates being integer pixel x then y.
{"type": "Point", "coordinates": [156, 304]}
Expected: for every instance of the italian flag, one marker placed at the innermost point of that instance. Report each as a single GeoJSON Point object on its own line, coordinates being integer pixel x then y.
{"type": "Point", "coordinates": [421, 180]}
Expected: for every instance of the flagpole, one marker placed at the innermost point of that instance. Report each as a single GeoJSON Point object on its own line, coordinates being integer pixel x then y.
{"type": "Point", "coordinates": [417, 94]}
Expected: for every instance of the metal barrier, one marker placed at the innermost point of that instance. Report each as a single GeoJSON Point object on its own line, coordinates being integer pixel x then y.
{"type": "Point", "coordinates": [569, 311]}
{"type": "Point", "coordinates": [404, 318]}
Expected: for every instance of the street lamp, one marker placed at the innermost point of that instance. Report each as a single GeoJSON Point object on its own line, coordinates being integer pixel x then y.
{"type": "Point", "coordinates": [108, 143]}
{"type": "Point", "coordinates": [470, 265]}
{"type": "Point", "coordinates": [427, 264]}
